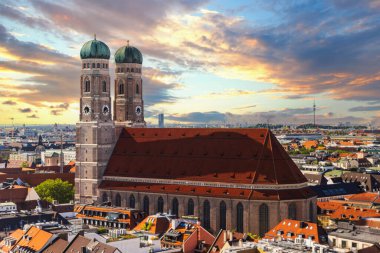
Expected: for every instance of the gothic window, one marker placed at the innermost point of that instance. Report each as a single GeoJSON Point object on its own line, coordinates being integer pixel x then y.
{"type": "Point", "coordinates": [311, 211]}
{"type": "Point", "coordinates": [175, 207]}
{"type": "Point", "coordinates": [292, 211]}
{"type": "Point", "coordinates": [160, 205]}
{"type": "Point", "coordinates": [105, 197]}
{"type": "Point", "coordinates": [93, 65]}
{"type": "Point", "coordinates": [146, 205]}
{"type": "Point", "coordinates": [118, 200]}
{"type": "Point", "coordinates": [132, 69]}
{"type": "Point", "coordinates": [206, 214]}
{"type": "Point", "coordinates": [222, 215]}
{"type": "Point", "coordinates": [106, 65]}
{"type": "Point", "coordinates": [190, 207]}
{"type": "Point", "coordinates": [127, 69]}
{"type": "Point", "coordinates": [87, 85]}
{"type": "Point", "coordinates": [132, 201]}
{"type": "Point", "coordinates": [84, 65]}
{"type": "Point", "coordinates": [137, 89]}
{"type": "Point", "coordinates": [98, 65]}
{"type": "Point", "coordinates": [121, 88]}
{"type": "Point", "coordinates": [239, 217]}
{"type": "Point", "coordinates": [88, 65]}
{"type": "Point", "coordinates": [104, 86]}
{"type": "Point", "coordinates": [263, 219]}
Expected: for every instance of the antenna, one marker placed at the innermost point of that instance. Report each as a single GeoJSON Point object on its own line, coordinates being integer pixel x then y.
{"type": "Point", "coordinates": [61, 155]}
{"type": "Point", "coordinates": [314, 109]}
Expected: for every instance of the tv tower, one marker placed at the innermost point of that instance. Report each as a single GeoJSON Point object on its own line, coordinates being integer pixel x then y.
{"type": "Point", "coordinates": [314, 109]}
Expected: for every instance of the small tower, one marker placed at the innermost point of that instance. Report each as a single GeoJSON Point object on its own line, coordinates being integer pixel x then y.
{"type": "Point", "coordinates": [128, 104]}
{"type": "Point", "coordinates": [95, 131]}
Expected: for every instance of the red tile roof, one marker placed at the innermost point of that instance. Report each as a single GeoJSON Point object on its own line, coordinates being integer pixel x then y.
{"type": "Point", "coordinates": [367, 197]}
{"type": "Point", "coordinates": [291, 229]}
{"type": "Point", "coordinates": [249, 156]}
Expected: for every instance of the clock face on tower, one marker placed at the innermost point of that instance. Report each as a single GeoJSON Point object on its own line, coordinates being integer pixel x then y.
{"type": "Point", "coordinates": [86, 109]}
{"type": "Point", "coordinates": [138, 110]}
{"type": "Point", "coordinates": [105, 109]}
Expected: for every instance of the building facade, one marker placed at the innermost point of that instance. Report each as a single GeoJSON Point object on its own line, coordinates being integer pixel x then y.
{"type": "Point", "coordinates": [238, 179]}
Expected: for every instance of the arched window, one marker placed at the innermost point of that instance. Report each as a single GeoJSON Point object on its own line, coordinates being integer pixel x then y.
{"type": "Point", "coordinates": [206, 214]}
{"type": "Point", "coordinates": [84, 65]}
{"type": "Point", "coordinates": [263, 219]}
{"type": "Point", "coordinates": [175, 207]}
{"type": "Point", "coordinates": [311, 211]}
{"type": "Point", "coordinates": [132, 201]}
{"type": "Point", "coordinates": [160, 205]}
{"type": "Point", "coordinates": [127, 69]}
{"type": "Point", "coordinates": [239, 217]}
{"type": "Point", "coordinates": [190, 207]}
{"type": "Point", "coordinates": [104, 86]}
{"type": "Point", "coordinates": [146, 205]}
{"type": "Point", "coordinates": [87, 86]}
{"type": "Point", "coordinates": [105, 197]}
{"type": "Point", "coordinates": [103, 65]}
{"type": "Point", "coordinates": [121, 88]}
{"type": "Point", "coordinates": [222, 215]}
{"type": "Point", "coordinates": [292, 211]}
{"type": "Point", "coordinates": [93, 65]}
{"type": "Point", "coordinates": [137, 89]}
{"type": "Point", "coordinates": [132, 70]}
{"type": "Point", "coordinates": [118, 200]}
{"type": "Point", "coordinates": [88, 65]}
{"type": "Point", "coordinates": [106, 65]}
{"type": "Point", "coordinates": [98, 65]}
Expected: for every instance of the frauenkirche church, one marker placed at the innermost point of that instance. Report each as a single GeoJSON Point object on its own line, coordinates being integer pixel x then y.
{"type": "Point", "coordinates": [238, 179]}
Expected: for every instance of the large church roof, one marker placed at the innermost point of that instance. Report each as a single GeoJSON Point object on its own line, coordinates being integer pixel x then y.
{"type": "Point", "coordinates": [230, 156]}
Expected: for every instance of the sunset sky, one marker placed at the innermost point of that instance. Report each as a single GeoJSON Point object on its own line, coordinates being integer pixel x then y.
{"type": "Point", "coordinates": [204, 61]}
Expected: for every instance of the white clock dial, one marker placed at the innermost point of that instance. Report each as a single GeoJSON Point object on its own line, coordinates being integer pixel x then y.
{"type": "Point", "coordinates": [86, 109]}
{"type": "Point", "coordinates": [138, 110]}
{"type": "Point", "coordinates": [105, 109]}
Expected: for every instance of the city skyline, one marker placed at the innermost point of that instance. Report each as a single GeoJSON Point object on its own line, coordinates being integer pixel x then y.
{"type": "Point", "coordinates": [204, 62]}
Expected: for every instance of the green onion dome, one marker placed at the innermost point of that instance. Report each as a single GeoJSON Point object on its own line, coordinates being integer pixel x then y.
{"type": "Point", "coordinates": [95, 49]}
{"type": "Point", "coordinates": [128, 54]}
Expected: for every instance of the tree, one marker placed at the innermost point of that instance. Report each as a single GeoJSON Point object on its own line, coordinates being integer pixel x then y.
{"type": "Point", "coordinates": [24, 164]}
{"type": "Point", "coordinates": [59, 190]}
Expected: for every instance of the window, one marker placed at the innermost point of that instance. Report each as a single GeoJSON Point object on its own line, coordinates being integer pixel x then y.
{"type": "Point", "coordinates": [292, 211]}
{"type": "Point", "coordinates": [132, 70]}
{"type": "Point", "coordinates": [105, 197]}
{"type": "Point", "coordinates": [84, 65]}
{"type": "Point", "coordinates": [93, 65]}
{"type": "Point", "coordinates": [127, 69]}
{"type": "Point", "coordinates": [263, 219]}
{"type": "Point", "coordinates": [206, 214]}
{"type": "Point", "coordinates": [334, 242]}
{"type": "Point", "coordinates": [137, 89]}
{"type": "Point", "coordinates": [175, 207]}
{"type": "Point", "coordinates": [160, 205]}
{"type": "Point", "coordinates": [311, 211]}
{"type": "Point", "coordinates": [98, 65]}
{"type": "Point", "coordinates": [118, 200]}
{"type": "Point", "coordinates": [146, 205]}
{"type": "Point", "coordinates": [121, 88]}
{"type": "Point", "coordinates": [354, 245]}
{"type": "Point", "coordinates": [222, 215]}
{"type": "Point", "coordinates": [104, 65]}
{"type": "Point", "coordinates": [239, 217]}
{"type": "Point", "coordinates": [132, 201]}
{"type": "Point", "coordinates": [190, 207]}
{"type": "Point", "coordinates": [87, 86]}
{"type": "Point", "coordinates": [88, 65]}
{"type": "Point", "coordinates": [344, 244]}
{"type": "Point", "coordinates": [104, 86]}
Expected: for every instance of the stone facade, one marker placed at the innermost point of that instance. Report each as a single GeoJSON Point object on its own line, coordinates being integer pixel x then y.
{"type": "Point", "coordinates": [95, 131]}
{"type": "Point", "coordinates": [128, 104]}
{"type": "Point", "coordinates": [277, 210]}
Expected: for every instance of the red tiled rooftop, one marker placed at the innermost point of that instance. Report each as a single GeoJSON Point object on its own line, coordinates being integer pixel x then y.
{"type": "Point", "coordinates": [249, 156]}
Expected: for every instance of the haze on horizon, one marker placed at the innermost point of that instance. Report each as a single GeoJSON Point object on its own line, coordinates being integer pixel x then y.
{"type": "Point", "coordinates": [204, 61]}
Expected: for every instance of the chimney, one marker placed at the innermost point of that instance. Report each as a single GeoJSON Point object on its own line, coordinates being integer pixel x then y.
{"type": "Point", "coordinates": [231, 235]}
{"type": "Point", "coordinates": [224, 236]}
{"type": "Point", "coordinates": [241, 243]}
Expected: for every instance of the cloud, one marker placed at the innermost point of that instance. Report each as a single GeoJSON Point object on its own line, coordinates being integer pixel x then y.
{"type": "Point", "coordinates": [9, 102]}
{"type": "Point", "coordinates": [33, 116]}
{"type": "Point", "coordinates": [56, 112]}
{"type": "Point", "coordinates": [64, 106]}
{"type": "Point", "coordinates": [198, 117]}
{"type": "Point", "coordinates": [245, 107]}
{"type": "Point", "coordinates": [364, 108]}
{"type": "Point", "coordinates": [25, 110]}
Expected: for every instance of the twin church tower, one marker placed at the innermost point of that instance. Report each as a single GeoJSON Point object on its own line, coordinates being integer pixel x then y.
{"type": "Point", "coordinates": [97, 129]}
